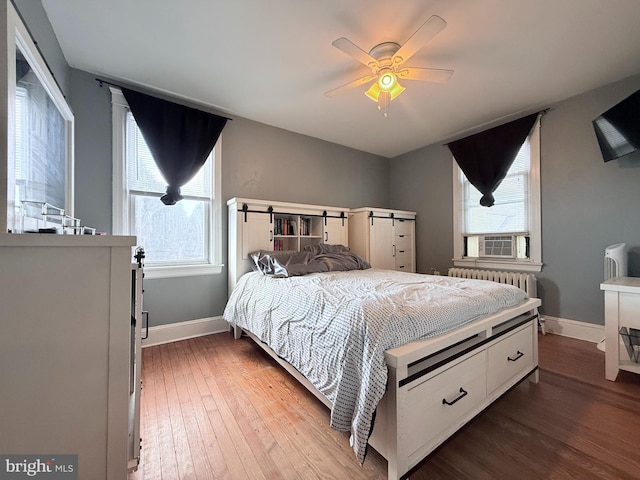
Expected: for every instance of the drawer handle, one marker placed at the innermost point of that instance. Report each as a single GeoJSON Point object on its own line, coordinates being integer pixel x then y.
{"type": "Point", "coordinates": [463, 393]}
{"type": "Point", "coordinates": [518, 355]}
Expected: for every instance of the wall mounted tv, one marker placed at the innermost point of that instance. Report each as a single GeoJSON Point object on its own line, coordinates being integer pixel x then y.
{"type": "Point", "coordinates": [618, 129]}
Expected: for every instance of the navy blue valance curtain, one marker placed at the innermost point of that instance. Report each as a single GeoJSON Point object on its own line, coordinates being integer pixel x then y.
{"type": "Point", "coordinates": [180, 138]}
{"type": "Point", "coordinates": [485, 158]}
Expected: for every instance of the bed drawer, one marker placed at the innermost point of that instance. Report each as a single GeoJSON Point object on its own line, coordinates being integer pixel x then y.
{"type": "Point", "coordinates": [438, 405]}
{"type": "Point", "coordinates": [511, 356]}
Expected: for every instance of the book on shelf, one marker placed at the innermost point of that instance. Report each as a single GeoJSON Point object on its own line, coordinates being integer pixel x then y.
{"type": "Point", "coordinates": [305, 227]}
{"type": "Point", "coordinates": [284, 226]}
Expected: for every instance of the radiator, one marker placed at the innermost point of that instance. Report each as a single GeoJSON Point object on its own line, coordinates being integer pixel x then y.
{"type": "Point", "coordinates": [524, 281]}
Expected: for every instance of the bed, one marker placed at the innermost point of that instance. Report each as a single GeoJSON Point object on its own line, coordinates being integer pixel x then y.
{"type": "Point", "coordinates": [399, 376]}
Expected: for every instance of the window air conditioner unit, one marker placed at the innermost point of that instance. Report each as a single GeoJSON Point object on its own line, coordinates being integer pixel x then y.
{"type": "Point", "coordinates": [497, 246]}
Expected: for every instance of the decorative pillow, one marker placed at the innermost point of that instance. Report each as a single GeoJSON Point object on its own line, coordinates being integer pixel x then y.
{"type": "Point", "coordinates": [343, 261]}
{"type": "Point", "coordinates": [325, 248]}
{"type": "Point", "coordinates": [277, 264]}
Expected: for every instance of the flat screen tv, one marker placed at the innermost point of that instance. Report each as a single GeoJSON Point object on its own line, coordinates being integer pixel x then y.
{"type": "Point", "coordinates": [618, 129]}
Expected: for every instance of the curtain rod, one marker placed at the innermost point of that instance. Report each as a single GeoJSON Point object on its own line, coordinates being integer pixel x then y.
{"type": "Point", "coordinates": [106, 82]}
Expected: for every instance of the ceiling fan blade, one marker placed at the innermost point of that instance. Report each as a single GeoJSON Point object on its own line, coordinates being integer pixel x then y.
{"type": "Point", "coordinates": [429, 29]}
{"type": "Point", "coordinates": [436, 75]}
{"type": "Point", "coordinates": [347, 86]}
{"type": "Point", "coordinates": [351, 49]}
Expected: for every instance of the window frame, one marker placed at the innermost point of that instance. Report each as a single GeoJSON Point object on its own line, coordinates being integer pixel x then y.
{"type": "Point", "coordinates": [122, 202]}
{"type": "Point", "coordinates": [534, 262]}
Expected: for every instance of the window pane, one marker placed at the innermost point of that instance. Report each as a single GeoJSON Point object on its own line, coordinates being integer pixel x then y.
{"type": "Point", "coordinates": [171, 234]}
{"type": "Point", "coordinates": [144, 175]}
{"type": "Point", "coordinates": [41, 140]}
{"type": "Point", "coordinates": [509, 214]}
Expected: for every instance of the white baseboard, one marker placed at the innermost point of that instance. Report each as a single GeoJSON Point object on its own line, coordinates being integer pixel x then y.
{"type": "Point", "coordinates": [183, 330]}
{"type": "Point", "coordinates": [174, 332]}
{"type": "Point", "coordinates": [574, 329]}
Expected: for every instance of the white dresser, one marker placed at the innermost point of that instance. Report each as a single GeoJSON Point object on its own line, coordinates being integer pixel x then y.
{"type": "Point", "coordinates": [70, 349]}
{"type": "Point", "coordinates": [383, 237]}
{"type": "Point", "coordinates": [621, 310]}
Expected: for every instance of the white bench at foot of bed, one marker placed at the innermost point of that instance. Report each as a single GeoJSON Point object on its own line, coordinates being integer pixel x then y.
{"type": "Point", "coordinates": [437, 386]}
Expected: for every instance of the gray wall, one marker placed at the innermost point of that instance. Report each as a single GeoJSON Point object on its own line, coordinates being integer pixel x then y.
{"type": "Point", "coordinates": [93, 161]}
{"type": "Point", "coordinates": [422, 181]}
{"type": "Point", "coordinates": [586, 204]}
{"type": "Point", "coordinates": [265, 162]}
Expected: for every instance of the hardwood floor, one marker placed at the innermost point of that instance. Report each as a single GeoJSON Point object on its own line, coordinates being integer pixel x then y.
{"type": "Point", "coordinates": [214, 407]}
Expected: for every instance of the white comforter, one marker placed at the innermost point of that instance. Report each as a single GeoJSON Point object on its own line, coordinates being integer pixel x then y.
{"type": "Point", "coordinates": [335, 327]}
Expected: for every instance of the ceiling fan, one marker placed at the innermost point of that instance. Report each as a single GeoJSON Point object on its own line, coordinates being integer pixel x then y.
{"type": "Point", "coordinates": [386, 63]}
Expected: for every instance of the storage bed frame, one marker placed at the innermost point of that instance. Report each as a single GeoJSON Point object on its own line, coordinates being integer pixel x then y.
{"type": "Point", "coordinates": [435, 386]}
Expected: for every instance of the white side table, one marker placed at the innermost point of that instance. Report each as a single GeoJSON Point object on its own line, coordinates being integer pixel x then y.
{"type": "Point", "coordinates": [621, 309]}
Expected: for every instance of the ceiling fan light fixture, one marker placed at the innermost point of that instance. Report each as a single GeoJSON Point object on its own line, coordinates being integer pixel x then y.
{"type": "Point", "coordinates": [387, 80]}
{"type": "Point", "coordinates": [374, 91]}
{"type": "Point", "coordinates": [385, 60]}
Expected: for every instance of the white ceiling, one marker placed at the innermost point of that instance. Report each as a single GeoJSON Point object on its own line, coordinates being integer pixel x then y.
{"type": "Point", "coordinates": [272, 60]}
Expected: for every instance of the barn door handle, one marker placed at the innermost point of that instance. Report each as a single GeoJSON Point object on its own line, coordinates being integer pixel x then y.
{"type": "Point", "coordinates": [518, 355]}
{"type": "Point", "coordinates": [463, 393]}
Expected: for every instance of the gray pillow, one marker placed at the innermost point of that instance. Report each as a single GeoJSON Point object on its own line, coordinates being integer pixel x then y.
{"type": "Point", "coordinates": [326, 248]}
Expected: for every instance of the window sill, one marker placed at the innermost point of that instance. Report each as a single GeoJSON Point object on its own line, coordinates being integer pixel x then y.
{"type": "Point", "coordinates": [514, 266]}
{"type": "Point", "coordinates": [182, 271]}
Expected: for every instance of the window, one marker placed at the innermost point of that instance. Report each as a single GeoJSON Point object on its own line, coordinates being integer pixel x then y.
{"type": "Point", "coordinates": [39, 168]}
{"type": "Point", "coordinates": [506, 235]}
{"type": "Point", "coordinates": [181, 239]}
